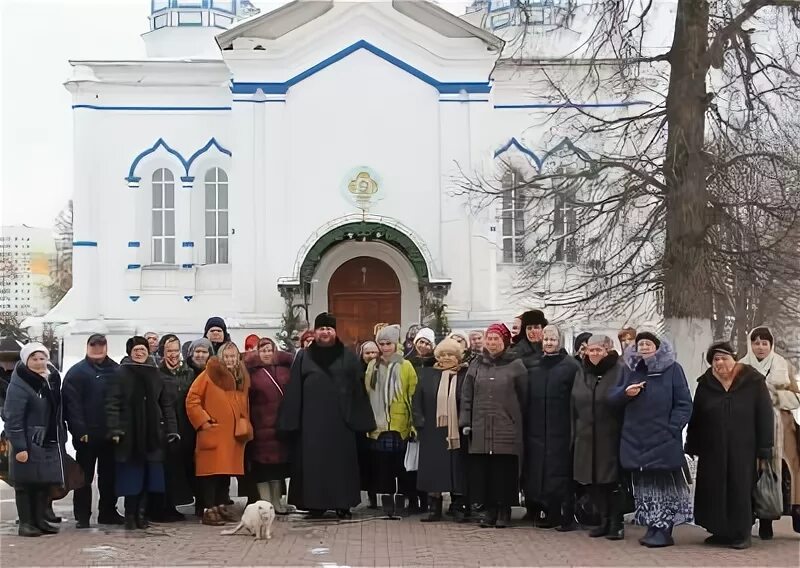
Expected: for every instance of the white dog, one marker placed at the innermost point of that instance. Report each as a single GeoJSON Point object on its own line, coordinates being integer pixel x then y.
{"type": "Point", "coordinates": [257, 519]}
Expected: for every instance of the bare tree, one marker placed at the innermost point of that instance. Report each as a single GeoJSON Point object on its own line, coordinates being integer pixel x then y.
{"type": "Point", "coordinates": [648, 197]}
{"type": "Point", "coordinates": [61, 273]}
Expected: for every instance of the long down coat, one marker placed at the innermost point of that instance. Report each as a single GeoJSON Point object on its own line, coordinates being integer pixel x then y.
{"type": "Point", "coordinates": [596, 423]}
{"type": "Point", "coordinates": [728, 431]}
{"type": "Point", "coordinates": [440, 469]}
{"type": "Point", "coordinates": [548, 429]}
{"type": "Point", "coordinates": [215, 396]}
{"type": "Point", "coordinates": [267, 386]}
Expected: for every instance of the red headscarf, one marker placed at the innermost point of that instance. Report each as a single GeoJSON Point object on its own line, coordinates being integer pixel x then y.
{"type": "Point", "coordinates": [502, 330]}
{"type": "Point", "coordinates": [251, 342]}
{"type": "Point", "coordinates": [307, 334]}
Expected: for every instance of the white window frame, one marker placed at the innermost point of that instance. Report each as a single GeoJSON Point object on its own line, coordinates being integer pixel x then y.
{"type": "Point", "coordinates": [512, 217]}
{"type": "Point", "coordinates": [213, 181]}
{"type": "Point", "coordinates": [565, 212]}
{"type": "Point", "coordinates": [162, 180]}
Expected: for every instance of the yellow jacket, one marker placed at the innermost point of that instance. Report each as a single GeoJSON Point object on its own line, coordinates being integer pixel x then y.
{"type": "Point", "coordinates": [398, 418]}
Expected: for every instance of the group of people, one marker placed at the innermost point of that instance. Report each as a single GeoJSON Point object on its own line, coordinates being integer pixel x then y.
{"type": "Point", "coordinates": [482, 417]}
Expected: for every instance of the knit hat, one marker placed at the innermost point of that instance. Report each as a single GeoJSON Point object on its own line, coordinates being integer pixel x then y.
{"type": "Point", "coordinates": [163, 342]}
{"type": "Point", "coordinates": [216, 322]}
{"type": "Point", "coordinates": [449, 345]}
{"type": "Point", "coordinates": [649, 336]}
{"type": "Point", "coordinates": [719, 347]}
{"type": "Point", "coordinates": [389, 333]}
{"type": "Point", "coordinates": [580, 340]}
{"type": "Point", "coordinates": [460, 335]}
{"type": "Point", "coordinates": [251, 341]}
{"type": "Point", "coordinates": [427, 334]}
{"type": "Point", "coordinates": [599, 339]}
{"type": "Point", "coordinates": [532, 317]}
{"type": "Point", "coordinates": [30, 348]}
{"type": "Point", "coordinates": [325, 320]}
{"type": "Point", "coordinates": [365, 345]}
{"type": "Point", "coordinates": [134, 341]}
{"type": "Point", "coordinates": [98, 337]}
{"type": "Point", "coordinates": [502, 330]}
{"type": "Point", "coordinates": [202, 342]}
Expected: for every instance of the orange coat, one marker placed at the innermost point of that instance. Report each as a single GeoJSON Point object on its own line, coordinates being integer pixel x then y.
{"type": "Point", "coordinates": [214, 396]}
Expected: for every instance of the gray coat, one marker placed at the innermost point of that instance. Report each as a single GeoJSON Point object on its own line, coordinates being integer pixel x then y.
{"type": "Point", "coordinates": [32, 405]}
{"type": "Point", "coordinates": [491, 404]}
{"type": "Point", "coordinates": [596, 423]}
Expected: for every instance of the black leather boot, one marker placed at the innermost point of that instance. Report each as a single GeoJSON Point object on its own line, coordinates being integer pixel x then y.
{"type": "Point", "coordinates": [503, 517]}
{"type": "Point", "coordinates": [131, 510]}
{"type": "Point", "coordinates": [602, 529]}
{"type": "Point", "coordinates": [400, 507]}
{"type": "Point", "coordinates": [27, 526]}
{"type": "Point", "coordinates": [141, 513]}
{"type": "Point", "coordinates": [39, 501]}
{"type": "Point", "coordinates": [49, 515]}
{"type": "Point", "coordinates": [489, 517]}
{"type": "Point", "coordinates": [616, 528]}
{"type": "Point", "coordinates": [765, 529]}
{"type": "Point", "coordinates": [434, 510]}
{"type": "Point", "coordinates": [387, 504]}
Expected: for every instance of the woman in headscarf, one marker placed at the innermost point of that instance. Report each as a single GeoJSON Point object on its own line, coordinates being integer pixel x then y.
{"type": "Point", "coordinates": [34, 424]}
{"type": "Point", "coordinates": [527, 343]}
{"type": "Point", "coordinates": [785, 395]}
{"type": "Point", "coordinates": [141, 420]}
{"type": "Point", "coordinates": [217, 405]}
{"type": "Point", "coordinates": [730, 431]}
{"type": "Point", "coordinates": [548, 432]}
{"type": "Point", "coordinates": [596, 431]}
{"type": "Point", "coordinates": [654, 396]}
{"type": "Point", "coordinates": [198, 354]}
{"type": "Point", "coordinates": [463, 339]}
{"type": "Point", "coordinates": [306, 339]}
{"type": "Point", "coordinates": [408, 344]}
{"type": "Point", "coordinates": [494, 392]}
{"type": "Point", "coordinates": [367, 352]}
{"type": "Point", "coordinates": [442, 463]}
{"type": "Point", "coordinates": [390, 382]}
{"type": "Point", "coordinates": [216, 331]}
{"type": "Point", "coordinates": [267, 454]}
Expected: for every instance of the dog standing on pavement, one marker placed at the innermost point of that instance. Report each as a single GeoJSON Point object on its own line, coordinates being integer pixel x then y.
{"type": "Point", "coordinates": [257, 519]}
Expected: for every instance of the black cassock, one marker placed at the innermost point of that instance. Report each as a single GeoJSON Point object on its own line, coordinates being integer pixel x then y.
{"type": "Point", "coordinates": [324, 409]}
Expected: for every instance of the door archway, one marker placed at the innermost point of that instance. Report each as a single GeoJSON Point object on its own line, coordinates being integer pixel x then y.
{"type": "Point", "coordinates": [363, 291]}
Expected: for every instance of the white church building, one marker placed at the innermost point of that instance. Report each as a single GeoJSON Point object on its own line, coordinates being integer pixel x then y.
{"type": "Point", "coordinates": [304, 157]}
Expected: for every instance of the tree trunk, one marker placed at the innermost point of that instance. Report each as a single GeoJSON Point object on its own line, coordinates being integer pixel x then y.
{"type": "Point", "coordinates": [687, 297]}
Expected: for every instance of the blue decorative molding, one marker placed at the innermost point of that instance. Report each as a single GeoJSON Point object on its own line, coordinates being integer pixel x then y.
{"type": "Point", "coordinates": [134, 266]}
{"type": "Point", "coordinates": [134, 298]}
{"type": "Point", "coordinates": [187, 179]}
{"type": "Point", "coordinates": [132, 179]}
{"type": "Point", "coordinates": [514, 143]}
{"type": "Point", "coordinates": [153, 108]}
{"type": "Point", "coordinates": [134, 244]}
{"type": "Point", "coordinates": [565, 143]}
{"type": "Point", "coordinates": [259, 101]}
{"type": "Point", "coordinates": [573, 105]}
{"type": "Point", "coordinates": [282, 88]}
{"type": "Point", "coordinates": [463, 100]}
{"type": "Point", "coordinates": [188, 298]}
{"type": "Point", "coordinates": [84, 243]}
{"type": "Point", "coordinates": [187, 244]}
{"type": "Point", "coordinates": [187, 265]}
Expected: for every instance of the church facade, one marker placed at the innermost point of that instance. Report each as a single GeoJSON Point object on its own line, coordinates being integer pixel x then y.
{"type": "Point", "coordinates": [309, 158]}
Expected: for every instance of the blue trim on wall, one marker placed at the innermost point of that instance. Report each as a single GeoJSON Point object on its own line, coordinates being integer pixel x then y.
{"type": "Point", "coordinates": [155, 108]}
{"type": "Point", "coordinates": [187, 179]}
{"type": "Point", "coordinates": [187, 244]}
{"type": "Point", "coordinates": [282, 88]}
{"type": "Point", "coordinates": [565, 143]}
{"type": "Point", "coordinates": [188, 298]}
{"type": "Point", "coordinates": [574, 105]}
{"type": "Point", "coordinates": [187, 265]}
{"type": "Point", "coordinates": [259, 102]}
{"type": "Point", "coordinates": [516, 144]}
{"type": "Point", "coordinates": [187, 164]}
{"type": "Point", "coordinates": [463, 100]}
{"type": "Point", "coordinates": [134, 266]}
{"type": "Point", "coordinates": [84, 243]}
{"type": "Point", "coordinates": [134, 244]}
{"type": "Point", "coordinates": [134, 298]}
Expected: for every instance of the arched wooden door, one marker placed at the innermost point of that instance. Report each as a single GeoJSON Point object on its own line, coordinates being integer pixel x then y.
{"type": "Point", "coordinates": [362, 292]}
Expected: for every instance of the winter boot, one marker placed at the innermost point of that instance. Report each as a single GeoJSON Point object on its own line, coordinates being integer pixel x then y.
{"type": "Point", "coordinates": [435, 510]}
{"type": "Point", "coordinates": [141, 513]}
{"type": "Point", "coordinates": [400, 507]}
{"type": "Point", "coordinates": [110, 517]}
{"type": "Point", "coordinates": [503, 517]}
{"type": "Point", "coordinates": [265, 491]}
{"type": "Point", "coordinates": [568, 523]}
{"type": "Point", "coordinates": [131, 511]}
{"type": "Point", "coordinates": [489, 517]}
{"type": "Point", "coordinates": [49, 515]}
{"type": "Point", "coordinates": [211, 517]}
{"type": "Point", "coordinates": [549, 521]}
{"type": "Point", "coordinates": [39, 502]}
{"type": "Point", "coordinates": [661, 538]}
{"type": "Point", "coordinates": [742, 543]}
{"type": "Point", "coordinates": [616, 527]}
{"type": "Point", "coordinates": [373, 500]}
{"type": "Point", "coordinates": [647, 536]}
{"type": "Point", "coordinates": [602, 528]}
{"type": "Point", "coordinates": [277, 497]}
{"type": "Point", "coordinates": [387, 503]}
{"type": "Point", "coordinates": [27, 526]}
{"type": "Point", "coordinates": [765, 529]}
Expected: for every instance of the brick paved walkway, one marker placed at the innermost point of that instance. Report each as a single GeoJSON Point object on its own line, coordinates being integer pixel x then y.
{"type": "Point", "coordinates": [368, 541]}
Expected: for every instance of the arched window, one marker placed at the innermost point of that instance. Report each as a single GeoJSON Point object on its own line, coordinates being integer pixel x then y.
{"type": "Point", "coordinates": [216, 216]}
{"type": "Point", "coordinates": [163, 249]}
{"type": "Point", "coordinates": [512, 217]}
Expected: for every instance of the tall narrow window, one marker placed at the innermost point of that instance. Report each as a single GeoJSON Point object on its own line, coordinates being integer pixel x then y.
{"type": "Point", "coordinates": [216, 216]}
{"type": "Point", "coordinates": [163, 217]}
{"type": "Point", "coordinates": [564, 226]}
{"type": "Point", "coordinates": [512, 216]}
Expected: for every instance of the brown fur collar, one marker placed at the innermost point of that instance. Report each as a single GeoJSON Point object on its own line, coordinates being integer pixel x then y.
{"type": "Point", "coordinates": [223, 378]}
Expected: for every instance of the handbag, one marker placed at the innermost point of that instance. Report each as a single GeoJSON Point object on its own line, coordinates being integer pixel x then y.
{"type": "Point", "coordinates": [767, 496]}
{"type": "Point", "coordinates": [411, 461]}
{"type": "Point", "coordinates": [73, 479]}
{"type": "Point", "coordinates": [243, 430]}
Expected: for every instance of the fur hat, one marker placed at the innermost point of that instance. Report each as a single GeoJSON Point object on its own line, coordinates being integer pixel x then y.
{"type": "Point", "coordinates": [30, 348]}
{"type": "Point", "coordinates": [427, 334]}
{"type": "Point", "coordinates": [449, 345]}
{"type": "Point", "coordinates": [134, 341]}
{"type": "Point", "coordinates": [719, 347]}
{"type": "Point", "coordinates": [580, 340]}
{"type": "Point", "coordinates": [325, 320]}
{"type": "Point", "coordinates": [216, 322]}
{"type": "Point", "coordinates": [389, 333]}
{"type": "Point", "coordinates": [532, 317]}
{"type": "Point", "coordinates": [600, 339]}
{"type": "Point", "coordinates": [201, 342]}
{"type": "Point", "coordinates": [649, 336]}
{"type": "Point", "coordinates": [460, 335]}
{"type": "Point", "coordinates": [502, 330]}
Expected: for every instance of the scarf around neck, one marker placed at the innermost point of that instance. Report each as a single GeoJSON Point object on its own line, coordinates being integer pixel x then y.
{"type": "Point", "coordinates": [447, 407]}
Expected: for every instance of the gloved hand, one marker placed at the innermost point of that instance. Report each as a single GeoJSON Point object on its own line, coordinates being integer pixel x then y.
{"type": "Point", "coordinates": [174, 437]}
{"type": "Point", "coordinates": [466, 430]}
{"type": "Point", "coordinates": [38, 435]}
{"type": "Point", "coordinates": [85, 438]}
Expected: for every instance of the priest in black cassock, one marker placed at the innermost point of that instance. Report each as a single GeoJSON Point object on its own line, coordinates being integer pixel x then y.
{"type": "Point", "coordinates": [323, 411]}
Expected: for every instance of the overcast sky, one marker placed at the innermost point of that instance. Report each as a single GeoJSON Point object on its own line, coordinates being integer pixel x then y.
{"type": "Point", "coordinates": [37, 38]}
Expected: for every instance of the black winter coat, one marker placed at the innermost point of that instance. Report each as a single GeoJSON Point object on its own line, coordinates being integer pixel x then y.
{"type": "Point", "coordinates": [141, 411]}
{"type": "Point", "coordinates": [85, 398]}
{"type": "Point", "coordinates": [596, 424]}
{"type": "Point", "coordinates": [548, 429]}
{"type": "Point", "coordinates": [34, 423]}
{"type": "Point", "coordinates": [728, 431]}
{"type": "Point", "coordinates": [529, 353]}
